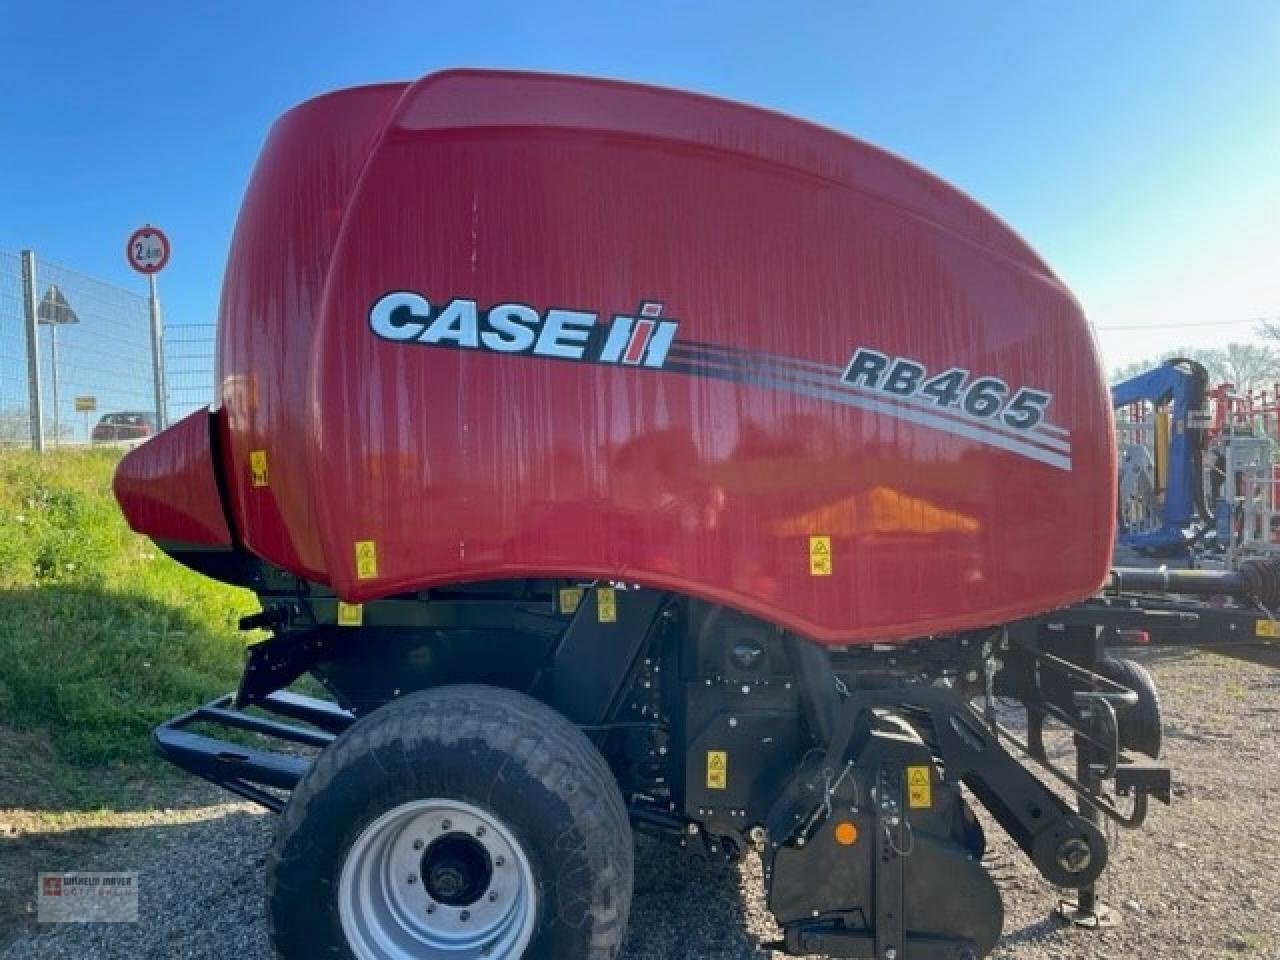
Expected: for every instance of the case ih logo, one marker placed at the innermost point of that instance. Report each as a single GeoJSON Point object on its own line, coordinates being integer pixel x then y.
{"type": "Point", "coordinates": [52, 886]}
{"type": "Point", "coordinates": [982, 409]}
{"type": "Point", "coordinates": [640, 341]}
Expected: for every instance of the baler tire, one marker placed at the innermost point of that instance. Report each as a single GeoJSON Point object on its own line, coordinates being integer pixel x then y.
{"type": "Point", "coordinates": [1141, 726]}
{"type": "Point", "coordinates": [517, 760]}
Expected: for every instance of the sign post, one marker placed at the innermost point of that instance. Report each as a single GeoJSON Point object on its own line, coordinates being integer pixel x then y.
{"type": "Point", "coordinates": [86, 404]}
{"type": "Point", "coordinates": [54, 311]}
{"type": "Point", "coordinates": [147, 252]}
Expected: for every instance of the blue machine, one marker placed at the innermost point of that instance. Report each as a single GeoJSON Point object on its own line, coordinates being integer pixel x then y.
{"type": "Point", "coordinates": [1184, 517]}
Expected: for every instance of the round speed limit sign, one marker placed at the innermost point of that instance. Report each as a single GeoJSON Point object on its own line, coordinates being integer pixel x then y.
{"type": "Point", "coordinates": [147, 250]}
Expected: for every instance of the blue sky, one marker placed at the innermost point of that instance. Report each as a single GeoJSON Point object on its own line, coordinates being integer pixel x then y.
{"type": "Point", "coordinates": [1136, 145]}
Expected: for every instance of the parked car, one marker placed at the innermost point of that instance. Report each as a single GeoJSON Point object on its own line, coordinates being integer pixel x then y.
{"type": "Point", "coordinates": [125, 427]}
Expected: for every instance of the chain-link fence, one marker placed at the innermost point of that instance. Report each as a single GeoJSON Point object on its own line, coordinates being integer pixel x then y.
{"type": "Point", "coordinates": [188, 374]}
{"type": "Point", "coordinates": [77, 364]}
{"type": "Point", "coordinates": [15, 411]}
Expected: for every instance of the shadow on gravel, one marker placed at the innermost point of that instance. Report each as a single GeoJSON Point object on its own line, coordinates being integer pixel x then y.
{"type": "Point", "coordinates": [201, 898]}
{"type": "Point", "coordinates": [192, 876]}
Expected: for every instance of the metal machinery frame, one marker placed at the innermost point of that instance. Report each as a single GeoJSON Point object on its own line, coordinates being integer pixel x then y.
{"type": "Point", "coordinates": [1172, 439]}
{"type": "Point", "coordinates": [726, 732]}
{"type": "Point", "coordinates": [1197, 480]}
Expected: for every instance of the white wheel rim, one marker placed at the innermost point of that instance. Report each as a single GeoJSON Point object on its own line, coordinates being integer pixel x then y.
{"type": "Point", "coordinates": [433, 879]}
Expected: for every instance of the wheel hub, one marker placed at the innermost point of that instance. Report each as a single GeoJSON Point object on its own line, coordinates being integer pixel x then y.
{"type": "Point", "coordinates": [436, 879]}
{"type": "Point", "coordinates": [457, 869]}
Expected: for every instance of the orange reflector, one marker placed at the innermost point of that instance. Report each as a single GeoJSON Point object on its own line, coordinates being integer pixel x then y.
{"type": "Point", "coordinates": [846, 833]}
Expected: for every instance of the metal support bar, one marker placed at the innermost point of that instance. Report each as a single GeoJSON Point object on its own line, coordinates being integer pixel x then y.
{"type": "Point", "coordinates": [1229, 631]}
{"type": "Point", "coordinates": [803, 939]}
{"type": "Point", "coordinates": [1088, 910]}
{"type": "Point", "coordinates": [597, 652]}
{"type": "Point", "coordinates": [30, 326]}
{"type": "Point", "coordinates": [890, 873]}
{"type": "Point", "coordinates": [319, 713]}
{"type": "Point", "coordinates": [1164, 580]}
{"type": "Point", "coordinates": [247, 721]}
{"type": "Point", "coordinates": [250, 772]}
{"type": "Point", "coordinates": [157, 354]}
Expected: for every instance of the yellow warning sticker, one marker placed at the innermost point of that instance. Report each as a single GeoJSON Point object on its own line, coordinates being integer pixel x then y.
{"type": "Point", "coordinates": [717, 769]}
{"type": "Point", "coordinates": [1267, 628]}
{"type": "Point", "coordinates": [258, 468]}
{"type": "Point", "coordinates": [820, 556]}
{"type": "Point", "coordinates": [350, 614]}
{"type": "Point", "coordinates": [570, 597]}
{"type": "Point", "coordinates": [366, 559]}
{"type": "Point", "coordinates": [919, 788]}
{"type": "Point", "coordinates": [606, 604]}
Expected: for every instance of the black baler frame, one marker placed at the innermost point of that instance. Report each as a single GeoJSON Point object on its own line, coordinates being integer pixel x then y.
{"type": "Point", "coordinates": [1073, 640]}
{"type": "Point", "coordinates": [250, 772]}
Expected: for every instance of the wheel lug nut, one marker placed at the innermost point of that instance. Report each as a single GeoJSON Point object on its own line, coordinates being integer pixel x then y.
{"type": "Point", "coordinates": [480, 831]}
{"type": "Point", "coordinates": [419, 844]}
{"type": "Point", "coordinates": [431, 908]}
{"type": "Point", "coordinates": [464, 916]}
{"type": "Point", "coordinates": [413, 878]}
{"type": "Point", "coordinates": [500, 861]}
{"type": "Point", "coordinates": [493, 896]}
{"type": "Point", "coordinates": [446, 825]}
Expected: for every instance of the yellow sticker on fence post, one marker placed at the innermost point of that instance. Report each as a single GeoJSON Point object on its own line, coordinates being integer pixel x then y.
{"type": "Point", "coordinates": [366, 560]}
{"type": "Point", "coordinates": [820, 556]}
{"type": "Point", "coordinates": [919, 788]}
{"type": "Point", "coordinates": [606, 604]}
{"type": "Point", "coordinates": [717, 770]}
{"type": "Point", "coordinates": [258, 468]}
{"type": "Point", "coordinates": [350, 614]}
{"type": "Point", "coordinates": [570, 597]}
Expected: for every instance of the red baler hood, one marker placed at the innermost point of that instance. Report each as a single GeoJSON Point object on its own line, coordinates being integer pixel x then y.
{"type": "Point", "coordinates": [494, 324]}
{"type": "Point", "coordinates": [167, 487]}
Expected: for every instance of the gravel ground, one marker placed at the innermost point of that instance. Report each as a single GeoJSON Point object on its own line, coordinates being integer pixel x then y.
{"type": "Point", "coordinates": [1201, 880]}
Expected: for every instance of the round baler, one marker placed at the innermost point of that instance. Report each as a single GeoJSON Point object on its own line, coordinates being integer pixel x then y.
{"type": "Point", "coordinates": [620, 458]}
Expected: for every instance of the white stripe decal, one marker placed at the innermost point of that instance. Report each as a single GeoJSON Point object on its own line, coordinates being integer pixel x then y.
{"type": "Point", "coordinates": [1045, 434]}
{"type": "Point", "coordinates": [924, 418]}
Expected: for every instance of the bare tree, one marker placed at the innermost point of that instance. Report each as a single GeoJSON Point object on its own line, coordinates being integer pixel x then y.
{"type": "Point", "coordinates": [1215, 361]}
{"type": "Point", "coordinates": [1245, 365]}
{"type": "Point", "coordinates": [1251, 365]}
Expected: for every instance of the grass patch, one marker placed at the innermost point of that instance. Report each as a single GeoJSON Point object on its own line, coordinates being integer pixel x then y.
{"type": "Point", "coordinates": [101, 635]}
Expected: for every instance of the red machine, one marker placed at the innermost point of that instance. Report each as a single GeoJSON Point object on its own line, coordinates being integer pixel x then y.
{"type": "Point", "coordinates": [610, 335]}
{"type": "Point", "coordinates": [732, 456]}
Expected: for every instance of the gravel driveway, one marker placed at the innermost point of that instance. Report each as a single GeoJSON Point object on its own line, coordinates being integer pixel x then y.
{"type": "Point", "coordinates": [1201, 880]}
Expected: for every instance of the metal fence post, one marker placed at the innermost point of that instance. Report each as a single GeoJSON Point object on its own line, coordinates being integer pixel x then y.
{"type": "Point", "coordinates": [157, 356]}
{"type": "Point", "coordinates": [30, 326]}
